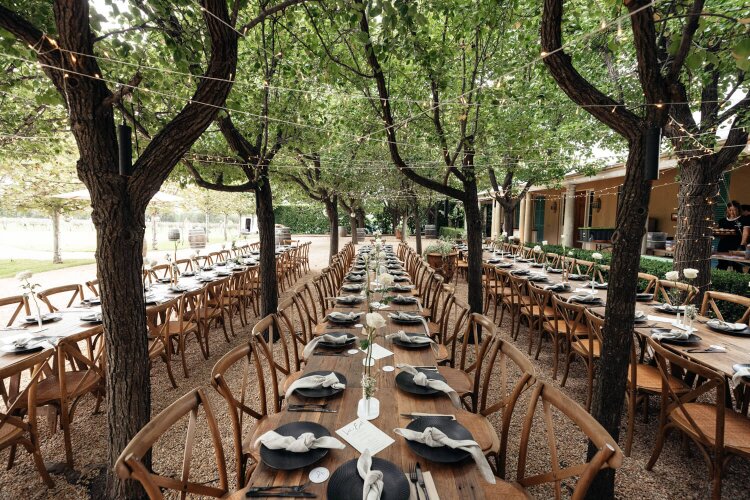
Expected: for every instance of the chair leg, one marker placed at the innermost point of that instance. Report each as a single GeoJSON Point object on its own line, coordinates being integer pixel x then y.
{"type": "Point", "coordinates": [632, 403]}
{"type": "Point", "coordinates": [11, 457]}
{"type": "Point", "coordinates": [182, 354]}
{"type": "Point", "coordinates": [65, 423]}
{"type": "Point", "coordinates": [168, 363]}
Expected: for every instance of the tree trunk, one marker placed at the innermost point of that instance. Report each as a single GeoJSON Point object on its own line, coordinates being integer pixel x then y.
{"type": "Point", "coordinates": [56, 258]}
{"type": "Point", "coordinates": [417, 229]}
{"type": "Point", "coordinates": [353, 226]}
{"type": "Point", "coordinates": [224, 227]}
{"type": "Point", "coordinates": [509, 218]}
{"type": "Point", "coordinates": [360, 217]}
{"type": "Point", "coordinates": [153, 232]}
{"type": "Point", "coordinates": [474, 242]}
{"type": "Point", "coordinates": [269, 287]}
{"type": "Point", "coordinates": [120, 233]}
{"type": "Point", "coordinates": [404, 226]}
{"type": "Point", "coordinates": [698, 186]}
{"type": "Point", "coordinates": [609, 388]}
{"type": "Point", "coordinates": [332, 211]}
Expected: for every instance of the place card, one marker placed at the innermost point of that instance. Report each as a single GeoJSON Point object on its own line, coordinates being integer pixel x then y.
{"type": "Point", "coordinates": [378, 351]}
{"type": "Point", "coordinates": [363, 435]}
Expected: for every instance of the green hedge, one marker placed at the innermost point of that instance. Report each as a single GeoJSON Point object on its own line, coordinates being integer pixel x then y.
{"type": "Point", "coordinates": [721, 281]}
{"type": "Point", "coordinates": [302, 219]}
{"type": "Point", "coordinates": [452, 232]}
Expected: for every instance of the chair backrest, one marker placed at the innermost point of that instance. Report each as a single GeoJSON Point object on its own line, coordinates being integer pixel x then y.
{"type": "Point", "coordinates": [498, 357]}
{"type": "Point", "coordinates": [552, 259]}
{"type": "Point", "coordinates": [650, 282]}
{"type": "Point", "coordinates": [93, 286]}
{"type": "Point", "coordinates": [131, 463]}
{"type": "Point", "coordinates": [291, 313]}
{"type": "Point", "coordinates": [84, 353]}
{"type": "Point", "coordinates": [583, 267]}
{"type": "Point", "coordinates": [18, 303]}
{"type": "Point", "coordinates": [706, 381]}
{"type": "Point", "coordinates": [711, 297]}
{"type": "Point", "coordinates": [480, 332]}
{"type": "Point", "coordinates": [608, 456]}
{"type": "Point", "coordinates": [159, 315]}
{"type": "Point", "coordinates": [74, 292]}
{"type": "Point", "coordinates": [268, 334]}
{"type": "Point", "coordinates": [574, 318]}
{"type": "Point", "coordinates": [460, 314]}
{"type": "Point", "coordinates": [184, 265]}
{"type": "Point", "coordinates": [543, 300]}
{"type": "Point", "coordinates": [665, 288]}
{"type": "Point", "coordinates": [18, 401]}
{"type": "Point", "coordinates": [240, 379]}
{"type": "Point", "coordinates": [159, 271]}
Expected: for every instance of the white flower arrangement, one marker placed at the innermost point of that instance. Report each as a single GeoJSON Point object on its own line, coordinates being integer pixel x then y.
{"type": "Point", "coordinates": [386, 279]}
{"type": "Point", "coordinates": [374, 320]}
{"type": "Point", "coordinates": [28, 287]}
{"type": "Point", "coordinates": [537, 249]}
{"type": "Point", "coordinates": [690, 273]}
{"type": "Point", "coordinates": [571, 253]}
{"type": "Point", "coordinates": [672, 275]}
{"type": "Point", "coordinates": [596, 256]}
{"type": "Point", "coordinates": [544, 243]}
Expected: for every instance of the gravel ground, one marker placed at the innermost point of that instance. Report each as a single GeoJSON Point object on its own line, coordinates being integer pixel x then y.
{"type": "Point", "coordinates": [679, 473]}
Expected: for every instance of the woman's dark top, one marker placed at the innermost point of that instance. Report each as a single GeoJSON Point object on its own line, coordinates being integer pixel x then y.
{"type": "Point", "coordinates": [732, 241]}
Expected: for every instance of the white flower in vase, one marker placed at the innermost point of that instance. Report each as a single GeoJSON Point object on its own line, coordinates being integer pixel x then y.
{"type": "Point", "coordinates": [672, 275]}
{"type": "Point", "coordinates": [537, 249]}
{"type": "Point", "coordinates": [571, 253]}
{"type": "Point", "coordinates": [544, 243]}
{"type": "Point", "coordinates": [690, 273]}
{"type": "Point", "coordinates": [374, 320]}
{"type": "Point", "coordinates": [596, 256]}
{"type": "Point", "coordinates": [386, 280]}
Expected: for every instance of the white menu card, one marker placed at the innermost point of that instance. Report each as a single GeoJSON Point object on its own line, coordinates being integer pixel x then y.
{"type": "Point", "coordinates": [363, 435]}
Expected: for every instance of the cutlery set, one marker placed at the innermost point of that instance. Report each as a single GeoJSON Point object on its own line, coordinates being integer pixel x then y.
{"type": "Point", "coordinates": [310, 407]}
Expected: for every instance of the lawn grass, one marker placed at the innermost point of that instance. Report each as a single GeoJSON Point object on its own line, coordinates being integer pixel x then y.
{"type": "Point", "coordinates": [9, 268]}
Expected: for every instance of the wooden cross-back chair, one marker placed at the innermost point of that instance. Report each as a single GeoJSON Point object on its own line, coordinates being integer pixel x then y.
{"type": "Point", "coordinates": [211, 310]}
{"type": "Point", "coordinates": [240, 379]}
{"type": "Point", "coordinates": [650, 282]}
{"type": "Point", "coordinates": [463, 376]}
{"type": "Point", "coordinates": [15, 428]}
{"type": "Point", "coordinates": [546, 323]}
{"type": "Point", "coordinates": [552, 260]}
{"type": "Point", "coordinates": [79, 362]}
{"type": "Point", "coordinates": [202, 261]}
{"type": "Point", "coordinates": [431, 298]}
{"type": "Point", "coordinates": [184, 265]}
{"type": "Point", "coordinates": [73, 292]}
{"type": "Point", "coordinates": [280, 352]}
{"type": "Point", "coordinates": [521, 304]}
{"type": "Point", "coordinates": [567, 263]}
{"type": "Point", "coordinates": [306, 315]}
{"type": "Point", "coordinates": [663, 288]}
{"type": "Point", "coordinates": [581, 342]}
{"type": "Point", "coordinates": [453, 325]}
{"type": "Point", "coordinates": [18, 302]}
{"type": "Point", "coordinates": [157, 321]}
{"type": "Point", "coordinates": [215, 257]}
{"type": "Point", "coordinates": [561, 469]}
{"type": "Point", "coordinates": [584, 267]}
{"type": "Point", "coordinates": [291, 313]}
{"type": "Point", "coordinates": [700, 414]}
{"type": "Point", "coordinates": [493, 289]}
{"type": "Point", "coordinates": [710, 299]}
{"type": "Point", "coordinates": [93, 286]}
{"type": "Point", "coordinates": [496, 388]}
{"type": "Point", "coordinates": [130, 464]}
{"type": "Point", "coordinates": [159, 271]}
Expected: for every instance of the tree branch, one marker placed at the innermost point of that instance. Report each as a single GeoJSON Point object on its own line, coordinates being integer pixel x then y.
{"type": "Point", "coordinates": [124, 90]}
{"type": "Point", "coordinates": [268, 12]}
{"type": "Point", "coordinates": [688, 31]}
{"type": "Point", "coordinates": [231, 188]}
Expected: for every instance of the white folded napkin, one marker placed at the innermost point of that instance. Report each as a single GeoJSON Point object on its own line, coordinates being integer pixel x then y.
{"type": "Point", "coordinates": [671, 335]}
{"type": "Point", "coordinates": [403, 316]}
{"type": "Point", "coordinates": [584, 299]}
{"type": "Point", "coordinates": [373, 487]}
{"type": "Point", "coordinates": [409, 339]}
{"type": "Point", "coordinates": [302, 444]}
{"type": "Point", "coordinates": [339, 316]}
{"type": "Point", "coordinates": [670, 307]}
{"type": "Point", "coordinates": [723, 325]}
{"type": "Point", "coordinates": [420, 378]}
{"type": "Point", "coordinates": [738, 376]}
{"type": "Point", "coordinates": [436, 438]}
{"type": "Point", "coordinates": [639, 316]}
{"type": "Point", "coordinates": [314, 382]}
{"type": "Point", "coordinates": [333, 339]}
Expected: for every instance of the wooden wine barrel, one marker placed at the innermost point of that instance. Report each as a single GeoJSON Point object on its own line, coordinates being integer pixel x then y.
{"type": "Point", "coordinates": [361, 235]}
{"type": "Point", "coordinates": [430, 231]}
{"type": "Point", "coordinates": [197, 237]}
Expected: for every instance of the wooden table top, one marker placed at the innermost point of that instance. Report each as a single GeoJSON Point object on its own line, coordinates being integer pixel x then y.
{"type": "Point", "coordinates": [738, 348]}
{"type": "Point", "coordinates": [453, 481]}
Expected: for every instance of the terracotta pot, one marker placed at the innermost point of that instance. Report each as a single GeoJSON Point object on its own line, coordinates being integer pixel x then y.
{"type": "Point", "coordinates": [444, 266]}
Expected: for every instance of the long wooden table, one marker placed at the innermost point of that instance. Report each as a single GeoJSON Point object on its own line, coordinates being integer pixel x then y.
{"type": "Point", "coordinates": [738, 348]}
{"type": "Point", "coordinates": [453, 481]}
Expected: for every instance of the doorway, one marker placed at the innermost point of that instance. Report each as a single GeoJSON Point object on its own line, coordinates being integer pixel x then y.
{"type": "Point", "coordinates": [580, 216]}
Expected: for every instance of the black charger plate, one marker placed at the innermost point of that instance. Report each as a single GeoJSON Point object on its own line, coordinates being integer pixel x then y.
{"type": "Point", "coordinates": [346, 484]}
{"type": "Point", "coordinates": [11, 349]}
{"type": "Point", "coordinates": [691, 340]}
{"type": "Point", "coordinates": [321, 392]}
{"type": "Point", "coordinates": [405, 382]}
{"type": "Point", "coordinates": [410, 345]}
{"type": "Point", "coordinates": [46, 318]}
{"type": "Point", "coordinates": [738, 333]}
{"type": "Point", "coordinates": [330, 345]}
{"type": "Point", "coordinates": [442, 454]}
{"type": "Point", "coordinates": [644, 297]}
{"type": "Point", "coordinates": [289, 460]}
{"type": "Point", "coordinates": [412, 320]}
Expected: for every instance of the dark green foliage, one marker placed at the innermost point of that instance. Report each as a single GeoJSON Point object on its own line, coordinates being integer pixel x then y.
{"type": "Point", "coordinates": [452, 232]}
{"type": "Point", "coordinates": [302, 219]}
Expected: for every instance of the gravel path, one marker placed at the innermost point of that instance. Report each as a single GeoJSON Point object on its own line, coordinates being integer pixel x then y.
{"type": "Point", "coordinates": [679, 473]}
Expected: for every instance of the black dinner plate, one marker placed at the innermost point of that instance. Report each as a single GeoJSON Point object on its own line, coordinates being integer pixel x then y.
{"type": "Point", "coordinates": [349, 299]}
{"type": "Point", "coordinates": [400, 279]}
{"type": "Point", "coordinates": [691, 340]}
{"type": "Point", "coordinates": [32, 346]}
{"type": "Point", "coordinates": [739, 333]}
{"type": "Point", "coordinates": [355, 279]}
{"type": "Point", "coordinates": [332, 319]}
{"type": "Point", "coordinates": [493, 261]}
{"type": "Point", "coordinates": [289, 460]}
{"type": "Point", "coordinates": [520, 272]}
{"type": "Point", "coordinates": [404, 299]}
{"type": "Point", "coordinates": [223, 274]}
{"type": "Point", "coordinates": [92, 318]}
{"type": "Point", "coordinates": [442, 454]}
{"type": "Point", "coordinates": [352, 288]}
{"type": "Point", "coordinates": [537, 264]}
{"type": "Point", "coordinates": [321, 392]}
{"type": "Point", "coordinates": [164, 280]}
{"type": "Point", "coordinates": [738, 366]}
{"type": "Point", "coordinates": [409, 345]}
{"type": "Point", "coordinates": [93, 301]}
{"type": "Point", "coordinates": [405, 382]}
{"type": "Point", "coordinates": [346, 484]}
{"type": "Point", "coordinates": [577, 277]}
{"type": "Point", "coordinates": [554, 270]}
{"type": "Point", "coordinates": [409, 320]}
{"type": "Point", "coordinates": [188, 274]}
{"type": "Point", "coordinates": [671, 310]}
{"type": "Point", "coordinates": [644, 297]}
{"type": "Point", "coordinates": [46, 318]}
{"type": "Point", "coordinates": [330, 345]}
{"type": "Point", "coordinates": [505, 265]}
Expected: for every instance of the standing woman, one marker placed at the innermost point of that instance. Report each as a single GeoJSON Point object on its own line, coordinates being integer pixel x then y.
{"type": "Point", "coordinates": [729, 241]}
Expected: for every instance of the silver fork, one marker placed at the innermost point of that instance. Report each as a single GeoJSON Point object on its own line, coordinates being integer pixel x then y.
{"type": "Point", "coordinates": [413, 478]}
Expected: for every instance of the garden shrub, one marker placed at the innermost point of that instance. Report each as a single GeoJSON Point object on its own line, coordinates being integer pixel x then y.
{"type": "Point", "coordinates": [302, 219]}
{"type": "Point", "coordinates": [452, 233]}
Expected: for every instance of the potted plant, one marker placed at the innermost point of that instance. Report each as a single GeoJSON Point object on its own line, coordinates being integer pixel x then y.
{"type": "Point", "coordinates": [442, 257]}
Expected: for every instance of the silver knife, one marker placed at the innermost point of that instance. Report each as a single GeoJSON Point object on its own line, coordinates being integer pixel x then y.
{"type": "Point", "coordinates": [420, 480]}
{"type": "Point", "coordinates": [309, 409]}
